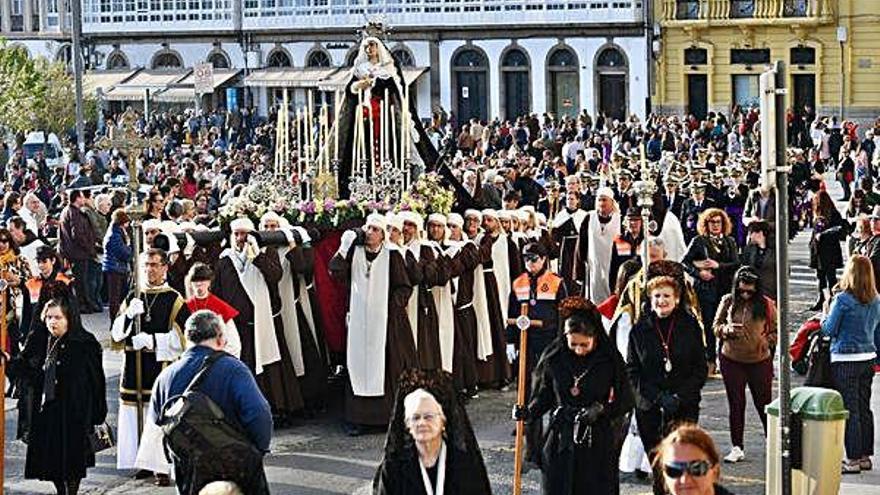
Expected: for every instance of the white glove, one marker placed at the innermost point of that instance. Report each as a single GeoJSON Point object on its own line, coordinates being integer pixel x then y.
{"type": "Point", "coordinates": [348, 238]}
{"type": "Point", "coordinates": [134, 308]}
{"type": "Point", "coordinates": [511, 353]}
{"type": "Point", "coordinates": [141, 341]}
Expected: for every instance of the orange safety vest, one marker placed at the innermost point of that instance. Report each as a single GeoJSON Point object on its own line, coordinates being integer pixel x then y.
{"type": "Point", "coordinates": [35, 284]}
{"type": "Point", "coordinates": [548, 286]}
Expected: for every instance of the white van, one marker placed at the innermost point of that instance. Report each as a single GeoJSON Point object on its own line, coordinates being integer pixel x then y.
{"type": "Point", "coordinates": [50, 146]}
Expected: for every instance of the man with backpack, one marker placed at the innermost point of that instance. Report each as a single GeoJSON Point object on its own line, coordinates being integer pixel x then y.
{"type": "Point", "coordinates": [203, 449]}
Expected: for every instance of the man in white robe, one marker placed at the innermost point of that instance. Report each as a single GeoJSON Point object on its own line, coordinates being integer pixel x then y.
{"type": "Point", "coordinates": [593, 254]}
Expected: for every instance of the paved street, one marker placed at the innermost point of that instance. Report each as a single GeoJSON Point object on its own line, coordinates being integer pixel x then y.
{"type": "Point", "coordinates": [316, 458]}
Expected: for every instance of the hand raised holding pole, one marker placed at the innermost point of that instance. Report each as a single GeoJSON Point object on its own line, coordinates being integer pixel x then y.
{"type": "Point", "coordinates": [523, 323]}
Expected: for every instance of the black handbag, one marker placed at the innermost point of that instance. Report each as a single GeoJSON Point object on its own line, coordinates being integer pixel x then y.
{"type": "Point", "coordinates": [102, 438]}
{"type": "Point", "coordinates": [819, 373]}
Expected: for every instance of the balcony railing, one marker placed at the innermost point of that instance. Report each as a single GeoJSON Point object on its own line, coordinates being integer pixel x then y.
{"type": "Point", "coordinates": [163, 15]}
{"type": "Point", "coordinates": [746, 11]}
{"type": "Point", "coordinates": [103, 16]}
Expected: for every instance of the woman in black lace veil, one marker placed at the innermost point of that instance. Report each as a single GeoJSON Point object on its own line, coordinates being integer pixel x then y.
{"type": "Point", "coordinates": [401, 473]}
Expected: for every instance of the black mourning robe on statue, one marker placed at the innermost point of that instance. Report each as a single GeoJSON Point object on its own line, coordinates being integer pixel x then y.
{"type": "Point", "coordinates": [384, 88]}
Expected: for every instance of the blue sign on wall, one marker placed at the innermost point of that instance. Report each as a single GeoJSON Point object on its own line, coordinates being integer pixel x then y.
{"type": "Point", "coordinates": [231, 99]}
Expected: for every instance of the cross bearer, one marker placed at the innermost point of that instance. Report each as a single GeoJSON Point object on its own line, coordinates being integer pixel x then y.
{"type": "Point", "coordinates": [541, 291]}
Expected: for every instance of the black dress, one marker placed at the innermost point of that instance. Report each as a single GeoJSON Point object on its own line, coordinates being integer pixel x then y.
{"type": "Point", "coordinates": [645, 365]}
{"type": "Point", "coordinates": [400, 473]}
{"type": "Point", "coordinates": [590, 467]}
{"type": "Point", "coordinates": [63, 415]}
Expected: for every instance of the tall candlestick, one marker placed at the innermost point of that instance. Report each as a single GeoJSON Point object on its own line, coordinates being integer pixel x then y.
{"type": "Point", "coordinates": [325, 145]}
{"type": "Point", "coordinates": [311, 134]}
{"type": "Point", "coordinates": [337, 105]}
{"type": "Point", "coordinates": [394, 148]}
{"type": "Point", "coordinates": [359, 116]}
{"type": "Point", "coordinates": [382, 134]}
{"type": "Point", "coordinates": [299, 144]}
{"type": "Point", "coordinates": [372, 156]}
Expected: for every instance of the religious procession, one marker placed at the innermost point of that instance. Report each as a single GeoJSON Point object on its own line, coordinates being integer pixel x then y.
{"type": "Point", "coordinates": [583, 279]}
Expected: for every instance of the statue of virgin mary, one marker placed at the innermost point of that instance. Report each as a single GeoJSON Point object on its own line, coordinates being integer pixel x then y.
{"type": "Point", "coordinates": [376, 81]}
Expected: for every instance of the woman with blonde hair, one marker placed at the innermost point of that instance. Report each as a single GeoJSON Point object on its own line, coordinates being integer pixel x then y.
{"type": "Point", "coordinates": [852, 323]}
{"type": "Point", "coordinates": [711, 259]}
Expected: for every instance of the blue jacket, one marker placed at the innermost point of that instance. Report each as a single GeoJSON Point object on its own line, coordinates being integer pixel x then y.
{"type": "Point", "coordinates": [229, 384]}
{"type": "Point", "coordinates": [852, 326]}
{"type": "Point", "coordinates": [117, 254]}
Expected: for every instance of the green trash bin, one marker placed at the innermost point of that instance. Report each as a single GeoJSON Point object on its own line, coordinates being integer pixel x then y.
{"type": "Point", "coordinates": [818, 423]}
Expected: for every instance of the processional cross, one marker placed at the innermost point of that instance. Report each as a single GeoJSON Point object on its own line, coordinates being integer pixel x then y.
{"type": "Point", "coordinates": [131, 144]}
{"type": "Point", "coordinates": [523, 323]}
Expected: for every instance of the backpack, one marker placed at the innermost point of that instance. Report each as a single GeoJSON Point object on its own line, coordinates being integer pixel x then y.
{"type": "Point", "coordinates": [203, 443]}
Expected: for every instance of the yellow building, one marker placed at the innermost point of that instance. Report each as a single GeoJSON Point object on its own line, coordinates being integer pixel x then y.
{"type": "Point", "coordinates": [708, 54]}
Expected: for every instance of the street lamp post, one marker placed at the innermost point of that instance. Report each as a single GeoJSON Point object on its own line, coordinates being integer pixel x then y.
{"type": "Point", "coordinates": [76, 35]}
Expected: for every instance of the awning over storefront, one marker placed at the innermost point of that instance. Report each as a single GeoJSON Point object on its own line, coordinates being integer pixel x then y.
{"type": "Point", "coordinates": [290, 77]}
{"type": "Point", "coordinates": [104, 79]}
{"type": "Point", "coordinates": [184, 91]}
{"type": "Point", "coordinates": [133, 88]}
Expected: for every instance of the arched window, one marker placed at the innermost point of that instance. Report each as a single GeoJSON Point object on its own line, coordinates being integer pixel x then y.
{"type": "Point", "coordinates": [403, 57]}
{"type": "Point", "coordinates": [563, 57]}
{"type": "Point", "coordinates": [470, 58]}
{"type": "Point", "coordinates": [64, 54]}
{"type": "Point", "coordinates": [218, 60]}
{"type": "Point", "coordinates": [278, 58]}
{"type": "Point", "coordinates": [349, 59]}
{"type": "Point", "coordinates": [318, 58]}
{"type": "Point", "coordinates": [611, 57]}
{"type": "Point", "coordinates": [470, 76]}
{"type": "Point", "coordinates": [563, 89]}
{"type": "Point", "coordinates": [515, 87]}
{"type": "Point", "coordinates": [117, 61]}
{"type": "Point", "coordinates": [515, 58]}
{"type": "Point", "coordinates": [167, 60]}
{"type": "Point", "coordinates": [611, 83]}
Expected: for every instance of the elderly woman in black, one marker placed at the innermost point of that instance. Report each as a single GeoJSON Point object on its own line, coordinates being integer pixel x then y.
{"type": "Point", "coordinates": [61, 362]}
{"type": "Point", "coordinates": [711, 260]}
{"type": "Point", "coordinates": [581, 381]}
{"type": "Point", "coordinates": [430, 448]}
{"type": "Point", "coordinates": [666, 366]}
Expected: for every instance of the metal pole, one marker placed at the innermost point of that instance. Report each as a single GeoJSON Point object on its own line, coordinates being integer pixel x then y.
{"type": "Point", "coordinates": [842, 82]}
{"type": "Point", "coordinates": [76, 53]}
{"type": "Point", "coordinates": [782, 275]}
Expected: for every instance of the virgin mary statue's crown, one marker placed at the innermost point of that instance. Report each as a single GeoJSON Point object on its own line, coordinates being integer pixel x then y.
{"type": "Point", "coordinates": [375, 28]}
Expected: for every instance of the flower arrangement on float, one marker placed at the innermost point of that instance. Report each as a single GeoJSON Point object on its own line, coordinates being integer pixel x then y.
{"type": "Point", "coordinates": [426, 196]}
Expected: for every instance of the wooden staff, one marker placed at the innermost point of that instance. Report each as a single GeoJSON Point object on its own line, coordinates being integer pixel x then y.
{"type": "Point", "coordinates": [524, 323]}
{"type": "Point", "coordinates": [3, 335]}
{"type": "Point", "coordinates": [404, 134]}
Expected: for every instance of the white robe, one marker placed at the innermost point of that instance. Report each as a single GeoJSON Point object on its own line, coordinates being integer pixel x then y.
{"type": "Point", "coordinates": [673, 237]}
{"type": "Point", "coordinates": [368, 323]}
{"type": "Point", "coordinates": [266, 350]}
{"type": "Point", "coordinates": [501, 267]}
{"type": "Point", "coordinates": [599, 256]}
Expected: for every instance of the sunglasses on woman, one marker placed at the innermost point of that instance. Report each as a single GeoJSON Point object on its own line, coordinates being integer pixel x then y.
{"type": "Point", "coordinates": [696, 469]}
